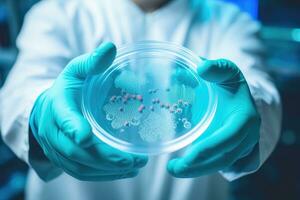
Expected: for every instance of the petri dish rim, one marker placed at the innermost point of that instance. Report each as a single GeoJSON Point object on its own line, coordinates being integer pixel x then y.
{"type": "Point", "coordinates": [147, 49]}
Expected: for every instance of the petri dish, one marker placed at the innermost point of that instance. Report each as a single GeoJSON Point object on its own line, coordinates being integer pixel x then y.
{"type": "Point", "coordinates": [150, 100]}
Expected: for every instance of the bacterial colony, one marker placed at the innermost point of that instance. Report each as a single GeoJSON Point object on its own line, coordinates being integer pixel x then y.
{"type": "Point", "coordinates": [147, 114]}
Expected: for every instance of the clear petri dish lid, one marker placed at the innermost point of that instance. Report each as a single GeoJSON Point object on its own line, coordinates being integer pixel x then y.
{"type": "Point", "coordinates": [150, 100]}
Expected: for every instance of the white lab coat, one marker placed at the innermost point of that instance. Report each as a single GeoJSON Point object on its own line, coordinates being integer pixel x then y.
{"type": "Point", "coordinates": [56, 31]}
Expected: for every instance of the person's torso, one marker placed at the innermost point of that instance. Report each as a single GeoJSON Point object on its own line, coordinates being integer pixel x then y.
{"type": "Point", "coordinates": [184, 22]}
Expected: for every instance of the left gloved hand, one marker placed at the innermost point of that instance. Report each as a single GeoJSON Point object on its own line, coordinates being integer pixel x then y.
{"type": "Point", "coordinates": [234, 130]}
{"type": "Point", "coordinates": [66, 137]}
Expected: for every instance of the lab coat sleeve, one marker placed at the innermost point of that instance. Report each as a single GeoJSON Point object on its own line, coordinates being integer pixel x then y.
{"type": "Point", "coordinates": [240, 44]}
{"type": "Point", "coordinates": [44, 50]}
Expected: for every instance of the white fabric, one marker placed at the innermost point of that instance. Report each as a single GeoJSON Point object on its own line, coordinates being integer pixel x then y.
{"type": "Point", "coordinates": [55, 31]}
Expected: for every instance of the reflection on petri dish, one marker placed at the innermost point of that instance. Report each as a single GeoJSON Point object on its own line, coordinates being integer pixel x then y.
{"type": "Point", "coordinates": [150, 100]}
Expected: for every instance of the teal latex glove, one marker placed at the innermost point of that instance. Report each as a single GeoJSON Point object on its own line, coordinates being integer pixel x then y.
{"type": "Point", "coordinates": [234, 130]}
{"type": "Point", "coordinates": [65, 135]}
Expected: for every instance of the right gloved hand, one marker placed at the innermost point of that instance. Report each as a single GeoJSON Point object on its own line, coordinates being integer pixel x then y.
{"type": "Point", "coordinates": [65, 135]}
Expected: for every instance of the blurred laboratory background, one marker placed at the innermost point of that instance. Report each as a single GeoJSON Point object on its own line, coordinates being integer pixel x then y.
{"type": "Point", "coordinates": [279, 178]}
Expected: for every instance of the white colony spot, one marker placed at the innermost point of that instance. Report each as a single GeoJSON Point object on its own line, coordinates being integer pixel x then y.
{"type": "Point", "coordinates": [178, 110]}
{"type": "Point", "coordinates": [186, 104]}
{"type": "Point", "coordinates": [158, 126]}
{"type": "Point", "coordinates": [152, 108]}
{"type": "Point", "coordinates": [109, 117]}
{"type": "Point", "coordinates": [118, 98]}
{"type": "Point", "coordinates": [135, 121]}
{"type": "Point", "coordinates": [120, 118]}
{"type": "Point", "coordinates": [187, 125]}
{"type": "Point", "coordinates": [126, 124]}
{"type": "Point", "coordinates": [113, 99]}
{"type": "Point", "coordinates": [117, 123]}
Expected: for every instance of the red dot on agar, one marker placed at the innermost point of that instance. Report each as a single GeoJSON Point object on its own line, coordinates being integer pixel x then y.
{"type": "Point", "coordinates": [141, 108]}
{"type": "Point", "coordinates": [139, 97]}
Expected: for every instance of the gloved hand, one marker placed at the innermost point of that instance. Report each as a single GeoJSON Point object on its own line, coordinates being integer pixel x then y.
{"type": "Point", "coordinates": [65, 135]}
{"type": "Point", "coordinates": [234, 130]}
